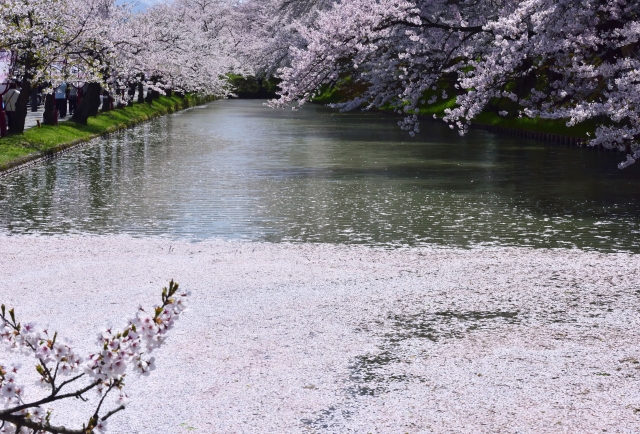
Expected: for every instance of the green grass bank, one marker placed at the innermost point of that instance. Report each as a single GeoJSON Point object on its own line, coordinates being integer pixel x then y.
{"type": "Point", "coordinates": [345, 90]}
{"type": "Point", "coordinates": [37, 143]}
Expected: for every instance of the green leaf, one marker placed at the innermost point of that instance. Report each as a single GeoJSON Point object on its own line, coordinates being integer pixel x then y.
{"type": "Point", "coordinates": [173, 287]}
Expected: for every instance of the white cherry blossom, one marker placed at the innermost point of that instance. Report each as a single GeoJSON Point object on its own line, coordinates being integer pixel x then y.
{"type": "Point", "coordinates": [104, 371]}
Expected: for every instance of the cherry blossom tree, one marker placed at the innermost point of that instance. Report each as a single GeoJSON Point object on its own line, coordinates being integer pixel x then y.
{"type": "Point", "coordinates": [30, 32]}
{"type": "Point", "coordinates": [267, 29]}
{"type": "Point", "coordinates": [64, 375]}
{"type": "Point", "coordinates": [552, 58]}
{"type": "Point", "coordinates": [185, 45]}
{"type": "Point", "coordinates": [53, 39]}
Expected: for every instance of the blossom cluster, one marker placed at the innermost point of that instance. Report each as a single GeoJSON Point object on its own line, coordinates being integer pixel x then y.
{"type": "Point", "coordinates": [555, 59]}
{"type": "Point", "coordinates": [58, 365]}
{"type": "Point", "coordinates": [129, 347]}
{"type": "Point", "coordinates": [184, 45]}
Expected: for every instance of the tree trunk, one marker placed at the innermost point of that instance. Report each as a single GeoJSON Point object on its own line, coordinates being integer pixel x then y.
{"type": "Point", "coordinates": [34, 100]}
{"type": "Point", "coordinates": [151, 95]}
{"type": "Point", "coordinates": [106, 101]}
{"type": "Point", "coordinates": [49, 107]}
{"type": "Point", "coordinates": [20, 115]}
{"type": "Point", "coordinates": [140, 93]}
{"type": "Point", "coordinates": [89, 105]}
{"type": "Point", "coordinates": [131, 92]}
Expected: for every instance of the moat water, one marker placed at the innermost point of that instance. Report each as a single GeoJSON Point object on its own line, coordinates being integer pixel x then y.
{"type": "Point", "coordinates": [239, 170]}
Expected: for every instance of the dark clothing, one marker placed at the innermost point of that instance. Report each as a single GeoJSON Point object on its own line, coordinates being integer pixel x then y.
{"type": "Point", "coordinates": [61, 105]}
{"type": "Point", "coordinates": [34, 100]}
{"type": "Point", "coordinates": [73, 104]}
{"type": "Point", "coordinates": [9, 119]}
{"type": "Point", "coordinates": [61, 99]}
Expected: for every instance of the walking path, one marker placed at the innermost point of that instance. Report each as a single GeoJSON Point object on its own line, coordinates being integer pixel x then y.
{"type": "Point", "coordinates": [32, 117]}
{"type": "Point", "coordinates": [338, 339]}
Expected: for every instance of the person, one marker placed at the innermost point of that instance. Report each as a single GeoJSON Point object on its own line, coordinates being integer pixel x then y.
{"type": "Point", "coordinates": [61, 100]}
{"type": "Point", "coordinates": [73, 99]}
{"type": "Point", "coordinates": [10, 99]}
{"type": "Point", "coordinates": [34, 99]}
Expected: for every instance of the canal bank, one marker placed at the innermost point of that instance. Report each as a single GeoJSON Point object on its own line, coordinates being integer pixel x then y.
{"type": "Point", "coordinates": [544, 130]}
{"type": "Point", "coordinates": [37, 144]}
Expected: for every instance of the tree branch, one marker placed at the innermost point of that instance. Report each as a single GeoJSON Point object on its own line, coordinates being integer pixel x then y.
{"type": "Point", "coordinates": [112, 412]}
{"type": "Point", "coordinates": [76, 394]}
{"type": "Point", "coordinates": [37, 427]}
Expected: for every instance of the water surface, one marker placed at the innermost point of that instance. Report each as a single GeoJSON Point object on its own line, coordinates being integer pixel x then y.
{"type": "Point", "coordinates": [236, 169]}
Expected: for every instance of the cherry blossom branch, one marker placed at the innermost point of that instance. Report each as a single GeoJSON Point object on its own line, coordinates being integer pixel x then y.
{"type": "Point", "coordinates": [21, 421]}
{"type": "Point", "coordinates": [552, 59]}
{"type": "Point", "coordinates": [119, 352]}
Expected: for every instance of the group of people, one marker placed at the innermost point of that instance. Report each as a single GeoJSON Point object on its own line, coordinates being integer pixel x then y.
{"type": "Point", "coordinates": [66, 97]}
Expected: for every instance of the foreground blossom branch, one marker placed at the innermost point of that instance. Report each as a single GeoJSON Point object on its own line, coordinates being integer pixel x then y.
{"type": "Point", "coordinates": [60, 369]}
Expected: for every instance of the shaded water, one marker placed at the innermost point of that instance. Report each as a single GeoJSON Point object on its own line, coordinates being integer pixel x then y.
{"type": "Point", "coordinates": [236, 169]}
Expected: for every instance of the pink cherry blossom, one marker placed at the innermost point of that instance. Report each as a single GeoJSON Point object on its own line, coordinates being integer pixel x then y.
{"type": "Point", "coordinates": [103, 371]}
{"type": "Point", "coordinates": [577, 61]}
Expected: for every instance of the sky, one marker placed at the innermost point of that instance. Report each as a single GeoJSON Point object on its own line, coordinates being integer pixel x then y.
{"type": "Point", "coordinates": [141, 4]}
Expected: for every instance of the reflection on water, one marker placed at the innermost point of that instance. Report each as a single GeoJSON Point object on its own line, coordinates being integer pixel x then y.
{"type": "Point", "coordinates": [237, 169]}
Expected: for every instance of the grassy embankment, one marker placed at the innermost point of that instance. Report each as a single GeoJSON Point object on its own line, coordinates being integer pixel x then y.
{"type": "Point", "coordinates": [250, 87]}
{"type": "Point", "coordinates": [343, 91]}
{"type": "Point", "coordinates": [48, 140]}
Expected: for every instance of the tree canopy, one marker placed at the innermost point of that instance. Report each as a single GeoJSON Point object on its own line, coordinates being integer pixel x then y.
{"type": "Point", "coordinates": [554, 59]}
